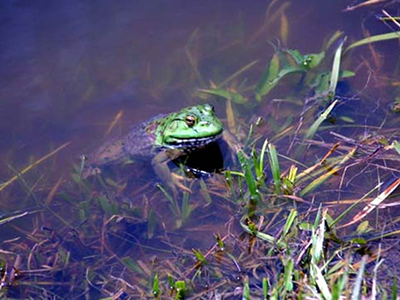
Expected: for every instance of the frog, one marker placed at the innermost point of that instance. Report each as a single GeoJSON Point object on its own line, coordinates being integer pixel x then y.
{"type": "Point", "coordinates": [162, 139]}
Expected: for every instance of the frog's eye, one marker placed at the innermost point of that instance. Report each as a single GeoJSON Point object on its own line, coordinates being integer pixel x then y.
{"type": "Point", "coordinates": [190, 120]}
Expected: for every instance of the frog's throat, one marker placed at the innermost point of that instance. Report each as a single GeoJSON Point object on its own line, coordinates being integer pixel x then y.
{"type": "Point", "coordinates": [193, 143]}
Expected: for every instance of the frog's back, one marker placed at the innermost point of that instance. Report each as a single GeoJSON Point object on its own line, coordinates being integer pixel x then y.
{"type": "Point", "coordinates": [138, 143]}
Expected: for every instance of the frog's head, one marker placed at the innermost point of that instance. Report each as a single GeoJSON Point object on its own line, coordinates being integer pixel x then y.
{"type": "Point", "coordinates": [190, 128]}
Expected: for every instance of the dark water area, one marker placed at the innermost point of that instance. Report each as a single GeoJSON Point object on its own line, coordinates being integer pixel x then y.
{"type": "Point", "coordinates": [69, 68]}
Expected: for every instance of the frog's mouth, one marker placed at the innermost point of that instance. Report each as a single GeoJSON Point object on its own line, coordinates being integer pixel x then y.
{"type": "Point", "coordinates": [193, 143]}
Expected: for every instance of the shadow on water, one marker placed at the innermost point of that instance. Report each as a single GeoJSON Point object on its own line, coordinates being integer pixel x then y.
{"type": "Point", "coordinates": [76, 74]}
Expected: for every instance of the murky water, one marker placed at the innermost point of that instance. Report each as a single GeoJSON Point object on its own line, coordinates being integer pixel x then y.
{"type": "Point", "coordinates": [68, 68]}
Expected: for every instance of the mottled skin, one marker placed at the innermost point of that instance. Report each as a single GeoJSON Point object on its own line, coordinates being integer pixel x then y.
{"type": "Point", "coordinates": [162, 139]}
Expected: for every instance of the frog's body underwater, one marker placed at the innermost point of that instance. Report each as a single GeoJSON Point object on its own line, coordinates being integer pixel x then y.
{"type": "Point", "coordinates": [162, 139]}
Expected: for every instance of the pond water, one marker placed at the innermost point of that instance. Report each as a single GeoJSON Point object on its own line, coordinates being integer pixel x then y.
{"type": "Point", "coordinates": [74, 74]}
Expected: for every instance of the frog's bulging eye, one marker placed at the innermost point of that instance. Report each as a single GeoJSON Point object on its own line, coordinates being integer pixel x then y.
{"type": "Point", "coordinates": [190, 120]}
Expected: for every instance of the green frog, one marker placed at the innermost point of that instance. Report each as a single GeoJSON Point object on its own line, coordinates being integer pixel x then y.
{"type": "Point", "coordinates": [162, 139]}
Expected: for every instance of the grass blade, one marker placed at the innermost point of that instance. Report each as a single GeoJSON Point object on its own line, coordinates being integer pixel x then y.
{"type": "Point", "coordinates": [318, 238]}
{"type": "Point", "coordinates": [260, 235]}
{"type": "Point", "coordinates": [333, 38]}
{"type": "Point", "coordinates": [246, 289]}
{"type": "Point", "coordinates": [321, 283]}
{"type": "Point", "coordinates": [270, 73]}
{"type": "Point", "coordinates": [320, 180]}
{"type": "Point", "coordinates": [251, 182]}
{"type": "Point", "coordinates": [343, 214]}
{"type": "Point", "coordinates": [28, 168]}
{"type": "Point", "coordinates": [265, 286]}
{"type": "Point", "coordinates": [237, 73]}
{"type": "Point", "coordinates": [314, 127]}
{"type": "Point", "coordinates": [289, 222]}
{"type": "Point", "coordinates": [284, 29]}
{"type": "Point", "coordinates": [394, 289]}
{"type": "Point", "coordinates": [114, 122]}
{"type": "Point", "coordinates": [11, 218]}
{"type": "Point", "coordinates": [156, 288]}
{"type": "Point", "coordinates": [396, 146]}
{"type": "Point", "coordinates": [180, 288]}
{"type": "Point", "coordinates": [375, 38]}
{"type": "Point", "coordinates": [335, 70]}
{"type": "Point", "coordinates": [227, 94]}
{"type": "Point", "coordinates": [357, 285]}
{"type": "Point", "coordinates": [230, 116]}
{"type": "Point", "coordinates": [276, 173]}
{"type": "Point", "coordinates": [266, 85]}
{"type": "Point", "coordinates": [132, 265]}
{"type": "Point", "coordinates": [374, 203]}
{"type": "Point", "coordinates": [288, 275]}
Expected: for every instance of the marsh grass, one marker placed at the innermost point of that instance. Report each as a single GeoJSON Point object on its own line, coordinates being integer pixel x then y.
{"type": "Point", "coordinates": [294, 227]}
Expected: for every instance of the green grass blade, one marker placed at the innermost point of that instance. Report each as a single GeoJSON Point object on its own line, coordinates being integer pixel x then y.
{"type": "Point", "coordinates": [156, 288]}
{"type": "Point", "coordinates": [205, 192]}
{"type": "Point", "coordinates": [288, 275]}
{"type": "Point", "coordinates": [340, 285]}
{"type": "Point", "coordinates": [173, 203]}
{"type": "Point", "coordinates": [320, 180]}
{"type": "Point", "coordinates": [318, 238]}
{"type": "Point", "coordinates": [171, 284]}
{"type": "Point", "coordinates": [396, 146]}
{"type": "Point", "coordinates": [251, 182]}
{"type": "Point", "coordinates": [276, 173]}
{"type": "Point", "coordinates": [317, 217]}
{"type": "Point", "coordinates": [246, 289]}
{"type": "Point", "coordinates": [262, 156]}
{"type": "Point", "coordinates": [270, 73]}
{"type": "Point", "coordinates": [289, 222]}
{"type": "Point", "coordinates": [180, 288]}
{"type": "Point", "coordinates": [265, 287]}
{"type": "Point", "coordinates": [394, 289]}
{"type": "Point", "coordinates": [335, 70]}
{"type": "Point", "coordinates": [166, 194]}
{"type": "Point", "coordinates": [106, 206]}
{"type": "Point", "coordinates": [321, 282]}
{"type": "Point", "coordinates": [314, 127]}
{"type": "Point", "coordinates": [375, 38]}
{"type": "Point", "coordinates": [351, 207]}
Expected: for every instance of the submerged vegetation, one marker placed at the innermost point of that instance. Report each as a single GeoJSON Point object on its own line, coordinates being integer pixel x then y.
{"type": "Point", "coordinates": [298, 213]}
